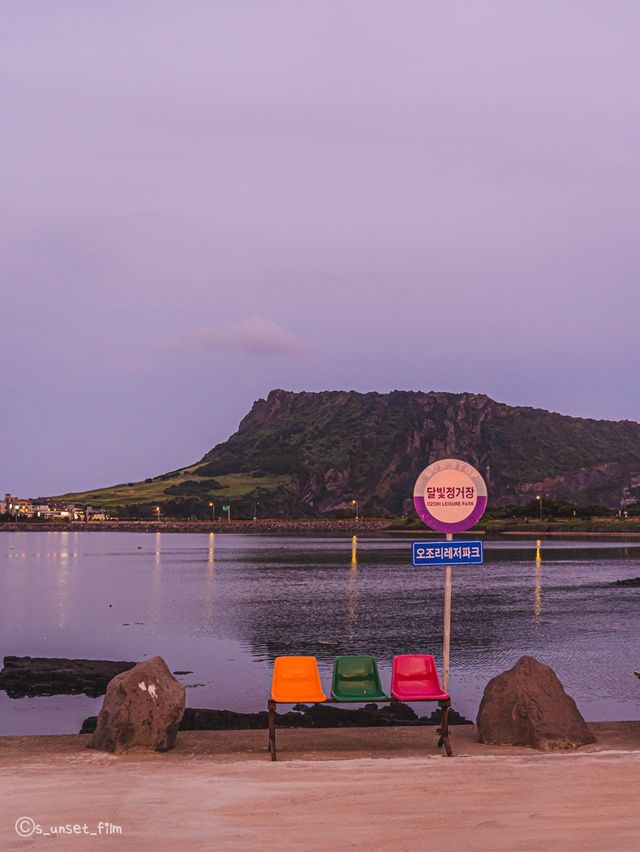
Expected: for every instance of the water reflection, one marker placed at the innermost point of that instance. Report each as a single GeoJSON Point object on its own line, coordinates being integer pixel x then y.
{"type": "Point", "coordinates": [62, 588]}
{"type": "Point", "coordinates": [209, 584]}
{"type": "Point", "coordinates": [352, 592]}
{"type": "Point", "coordinates": [537, 586]}
{"type": "Point", "coordinates": [155, 604]}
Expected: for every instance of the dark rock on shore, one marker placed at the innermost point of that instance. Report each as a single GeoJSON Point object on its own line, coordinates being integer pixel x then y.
{"type": "Point", "coordinates": [199, 719]}
{"type": "Point", "coordinates": [455, 718]}
{"type": "Point", "coordinates": [142, 710]}
{"type": "Point", "coordinates": [527, 706]}
{"type": "Point", "coordinates": [24, 677]}
{"type": "Point", "coordinates": [89, 725]}
{"type": "Point", "coordinates": [631, 583]}
{"type": "Point", "coordinates": [304, 716]}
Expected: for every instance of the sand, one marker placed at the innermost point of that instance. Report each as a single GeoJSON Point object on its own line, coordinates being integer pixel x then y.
{"type": "Point", "coordinates": [365, 789]}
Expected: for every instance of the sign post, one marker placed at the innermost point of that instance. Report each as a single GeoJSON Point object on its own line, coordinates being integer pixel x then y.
{"type": "Point", "coordinates": [450, 496]}
{"type": "Point", "coordinates": [446, 643]}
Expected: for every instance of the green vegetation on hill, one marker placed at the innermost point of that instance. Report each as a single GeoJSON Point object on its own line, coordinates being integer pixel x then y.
{"type": "Point", "coordinates": [298, 454]}
{"type": "Point", "coordinates": [530, 444]}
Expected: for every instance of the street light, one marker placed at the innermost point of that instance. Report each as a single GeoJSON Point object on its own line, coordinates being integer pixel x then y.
{"type": "Point", "coordinates": [213, 511]}
{"type": "Point", "coordinates": [539, 499]}
{"type": "Point", "coordinates": [354, 503]}
{"type": "Point", "coordinates": [255, 511]}
{"type": "Point", "coordinates": [158, 513]}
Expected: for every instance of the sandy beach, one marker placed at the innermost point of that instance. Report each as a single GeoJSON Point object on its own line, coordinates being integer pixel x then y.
{"type": "Point", "coordinates": [348, 789]}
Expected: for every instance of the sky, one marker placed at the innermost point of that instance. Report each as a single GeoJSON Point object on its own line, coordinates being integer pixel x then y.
{"type": "Point", "coordinates": [202, 201]}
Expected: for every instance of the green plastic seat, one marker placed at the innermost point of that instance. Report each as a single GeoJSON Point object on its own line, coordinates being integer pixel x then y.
{"type": "Point", "coordinates": [356, 679]}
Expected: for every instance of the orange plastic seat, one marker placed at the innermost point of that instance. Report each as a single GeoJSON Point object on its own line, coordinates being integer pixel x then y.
{"type": "Point", "coordinates": [296, 679]}
{"type": "Point", "coordinates": [414, 677]}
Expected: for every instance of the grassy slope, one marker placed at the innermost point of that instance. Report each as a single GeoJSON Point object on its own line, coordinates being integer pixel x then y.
{"type": "Point", "coordinates": [139, 493]}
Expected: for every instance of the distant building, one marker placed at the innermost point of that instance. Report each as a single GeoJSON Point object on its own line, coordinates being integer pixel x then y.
{"type": "Point", "coordinates": [18, 507]}
{"type": "Point", "coordinates": [41, 510]}
{"type": "Point", "coordinates": [97, 514]}
{"type": "Point", "coordinates": [21, 508]}
{"type": "Point", "coordinates": [631, 493]}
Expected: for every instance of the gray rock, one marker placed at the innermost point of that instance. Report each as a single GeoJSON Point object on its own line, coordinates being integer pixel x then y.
{"type": "Point", "coordinates": [527, 706]}
{"type": "Point", "coordinates": [142, 709]}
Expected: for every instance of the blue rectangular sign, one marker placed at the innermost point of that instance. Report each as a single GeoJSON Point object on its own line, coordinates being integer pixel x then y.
{"type": "Point", "coordinates": [448, 553]}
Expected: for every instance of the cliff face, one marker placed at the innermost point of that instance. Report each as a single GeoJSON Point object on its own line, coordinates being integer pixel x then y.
{"type": "Point", "coordinates": [339, 446]}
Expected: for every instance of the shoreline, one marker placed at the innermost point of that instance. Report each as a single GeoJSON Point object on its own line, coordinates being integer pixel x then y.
{"type": "Point", "coordinates": [287, 527]}
{"type": "Point", "coordinates": [377, 790]}
{"type": "Point", "coordinates": [239, 526]}
{"type": "Point", "coordinates": [311, 743]}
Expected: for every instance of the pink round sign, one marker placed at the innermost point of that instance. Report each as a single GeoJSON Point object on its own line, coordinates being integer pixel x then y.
{"type": "Point", "coordinates": [450, 496]}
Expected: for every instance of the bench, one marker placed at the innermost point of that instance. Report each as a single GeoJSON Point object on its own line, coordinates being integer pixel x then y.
{"type": "Point", "coordinates": [414, 678]}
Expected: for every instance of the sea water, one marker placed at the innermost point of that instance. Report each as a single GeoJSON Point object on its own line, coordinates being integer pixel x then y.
{"type": "Point", "coordinates": [221, 607]}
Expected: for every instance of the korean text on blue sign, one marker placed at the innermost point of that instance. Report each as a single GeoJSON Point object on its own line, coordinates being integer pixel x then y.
{"type": "Point", "coordinates": [448, 553]}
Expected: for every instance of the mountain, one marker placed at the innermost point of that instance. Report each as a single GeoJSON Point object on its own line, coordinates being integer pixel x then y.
{"type": "Point", "coordinates": [299, 454]}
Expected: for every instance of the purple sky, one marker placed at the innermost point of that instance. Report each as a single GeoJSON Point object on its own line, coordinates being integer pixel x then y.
{"type": "Point", "coordinates": [205, 200]}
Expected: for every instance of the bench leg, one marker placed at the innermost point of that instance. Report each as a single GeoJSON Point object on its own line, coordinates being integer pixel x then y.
{"type": "Point", "coordinates": [443, 730]}
{"type": "Point", "coordinates": [272, 729]}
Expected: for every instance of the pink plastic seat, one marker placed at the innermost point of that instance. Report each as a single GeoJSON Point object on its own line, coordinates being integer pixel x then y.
{"type": "Point", "coordinates": [414, 677]}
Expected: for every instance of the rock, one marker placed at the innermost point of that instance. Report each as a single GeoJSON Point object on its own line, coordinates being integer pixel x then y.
{"type": "Point", "coordinates": [369, 716]}
{"type": "Point", "coordinates": [527, 706]}
{"type": "Point", "coordinates": [200, 719]}
{"type": "Point", "coordinates": [455, 718]}
{"type": "Point", "coordinates": [631, 583]}
{"type": "Point", "coordinates": [89, 725]}
{"type": "Point", "coordinates": [30, 676]}
{"type": "Point", "coordinates": [316, 716]}
{"type": "Point", "coordinates": [304, 716]}
{"type": "Point", "coordinates": [142, 709]}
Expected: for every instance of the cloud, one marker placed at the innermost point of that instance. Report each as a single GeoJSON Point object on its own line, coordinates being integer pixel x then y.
{"type": "Point", "coordinates": [253, 335]}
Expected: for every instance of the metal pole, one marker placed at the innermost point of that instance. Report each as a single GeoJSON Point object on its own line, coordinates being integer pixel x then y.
{"type": "Point", "coordinates": [272, 728]}
{"type": "Point", "coordinates": [447, 623]}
